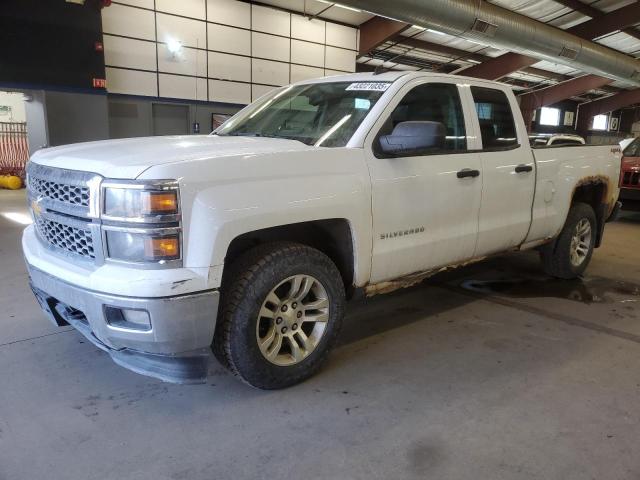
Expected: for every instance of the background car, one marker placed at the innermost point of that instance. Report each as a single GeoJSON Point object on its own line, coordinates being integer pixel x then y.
{"type": "Point", "coordinates": [630, 176]}
{"type": "Point", "coordinates": [555, 140]}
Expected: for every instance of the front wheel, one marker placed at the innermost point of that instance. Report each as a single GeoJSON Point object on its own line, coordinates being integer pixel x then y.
{"type": "Point", "coordinates": [282, 307]}
{"type": "Point", "coordinates": [569, 256]}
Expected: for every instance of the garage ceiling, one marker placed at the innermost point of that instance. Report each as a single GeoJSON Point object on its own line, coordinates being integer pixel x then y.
{"type": "Point", "coordinates": [400, 54]}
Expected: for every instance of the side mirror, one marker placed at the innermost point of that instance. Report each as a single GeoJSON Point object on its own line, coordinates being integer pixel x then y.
{"type": "Point", "coordinates": [414, 138]}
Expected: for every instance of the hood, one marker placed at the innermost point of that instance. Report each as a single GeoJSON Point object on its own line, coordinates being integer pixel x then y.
{"type": "Point", "coordinates": [129, 158]}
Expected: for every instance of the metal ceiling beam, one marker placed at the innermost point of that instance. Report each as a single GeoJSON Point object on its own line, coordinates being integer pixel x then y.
{"type": "Point", "coordinates": [501, 66]}
{"type": "Point", "coordinates": [603, 24]}
{"type": "Point", "coordinates": [583, 8]}
{"type": "Point", "coordinates": [595, 14]}
{"type": "Point", "coordinates": [458, 54]}
{"type": "Point", "coordinates": [586, 111]}
{"type": "Point", "coordinates": [376, 31]}
{"type": "Point", "coordinates": [561, 91]}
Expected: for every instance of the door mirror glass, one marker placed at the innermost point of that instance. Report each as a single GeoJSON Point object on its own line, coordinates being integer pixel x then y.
{"type": "Point", "coordinates": [414, 138]}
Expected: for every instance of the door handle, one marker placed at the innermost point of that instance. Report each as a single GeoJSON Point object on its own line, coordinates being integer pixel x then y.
{"type": "Point", "coordinates": [468, 172]}
{"type": "Point", "coordinates": [522, 168]}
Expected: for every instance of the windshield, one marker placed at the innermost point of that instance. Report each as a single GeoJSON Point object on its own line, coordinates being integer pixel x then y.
{"type": "Point", "coordinates": [318, 114]}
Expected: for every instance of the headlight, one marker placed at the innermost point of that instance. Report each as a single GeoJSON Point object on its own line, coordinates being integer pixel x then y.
{"type": "Point", "coordinates": [138, 202]}
{"type": "Point", "coordinates": [142, 222]}
{"type": "Point", "coordinates": [142, 247]}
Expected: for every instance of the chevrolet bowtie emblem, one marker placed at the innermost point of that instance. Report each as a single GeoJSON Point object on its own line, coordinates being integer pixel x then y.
{"type": "Point", "coordinates": [36, 207]}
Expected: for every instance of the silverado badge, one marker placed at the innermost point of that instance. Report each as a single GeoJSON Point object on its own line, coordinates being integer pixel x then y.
{"type": "Point", "coordinates": [401, 233]}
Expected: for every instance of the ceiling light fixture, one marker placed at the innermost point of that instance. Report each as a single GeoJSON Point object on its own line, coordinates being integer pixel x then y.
{"type": "Point", "coordinates": [174, 46]}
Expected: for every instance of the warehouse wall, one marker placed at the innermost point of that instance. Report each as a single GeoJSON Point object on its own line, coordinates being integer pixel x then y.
{"type": "Point", "coordinates": [232, 51]}
{"type": "Point", "coordinates": [58, 118]}
{"type": "Point", "coordinates": [76, 117]}
{"type": "Point", "coordinates": [134, 117]}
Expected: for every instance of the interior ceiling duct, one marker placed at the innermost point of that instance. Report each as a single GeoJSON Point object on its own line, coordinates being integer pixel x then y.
{"type": "Point", "coordinates": [488, 24]}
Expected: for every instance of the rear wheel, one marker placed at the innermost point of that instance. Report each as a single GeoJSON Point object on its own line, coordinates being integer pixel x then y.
{"type": "Point", "coordinates": [569, 256]}
{"type": "Point", "coordinates": [282, 307]}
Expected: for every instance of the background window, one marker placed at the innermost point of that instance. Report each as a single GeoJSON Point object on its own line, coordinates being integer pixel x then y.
{"type": "Point", "coordinates": [497, 126]}
{"type": "Point", "coordinates": [550, 116]}
{"type": "Point", "coordinates": [434, 102]}
{"type": "Point", "coordinates": [600, 122]}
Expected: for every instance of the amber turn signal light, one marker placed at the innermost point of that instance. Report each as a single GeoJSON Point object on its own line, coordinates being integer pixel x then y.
{"type": "Point", "coordinates": [162, 248]}
{"type": "Point", "coordinates": [160, 203]}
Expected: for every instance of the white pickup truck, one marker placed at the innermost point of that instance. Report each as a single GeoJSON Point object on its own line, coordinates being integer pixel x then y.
{"type": "Point", "coordinates": [247, 242]}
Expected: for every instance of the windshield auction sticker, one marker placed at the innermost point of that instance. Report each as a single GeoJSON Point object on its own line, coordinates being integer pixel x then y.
{"type": "Point", "coordinates": [369, 86]}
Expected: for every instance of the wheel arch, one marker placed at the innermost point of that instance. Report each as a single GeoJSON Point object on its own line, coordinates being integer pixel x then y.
{"type": "Point", "coordinates": [595, 192]}
{"type": "Point", "coordinates": [333, 237]}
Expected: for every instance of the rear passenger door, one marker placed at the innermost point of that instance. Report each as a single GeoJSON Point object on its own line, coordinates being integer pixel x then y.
{"type": "Point", "coordinates": [425, 205]}
{"type": "Point", "coordinates": [508, 172]}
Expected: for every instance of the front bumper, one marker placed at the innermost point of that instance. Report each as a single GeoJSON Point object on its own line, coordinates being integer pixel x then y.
{"type": "Point", "coordinates": [175, 349]}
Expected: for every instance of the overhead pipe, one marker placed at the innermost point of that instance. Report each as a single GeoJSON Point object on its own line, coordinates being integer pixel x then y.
{"type": "Point", "coordinates": [488, 24]}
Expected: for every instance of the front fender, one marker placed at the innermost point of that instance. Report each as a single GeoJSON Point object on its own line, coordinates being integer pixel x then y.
{"type": "Point", "coordinates": [223, 200]}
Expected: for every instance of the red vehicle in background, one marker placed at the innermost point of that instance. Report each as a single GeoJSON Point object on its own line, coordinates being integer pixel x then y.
{"type": "Point", "coordinates": [630, 174]}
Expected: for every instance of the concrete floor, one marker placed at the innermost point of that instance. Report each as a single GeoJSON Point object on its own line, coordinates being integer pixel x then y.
{"type": "Point", "coordinates": [461, 377]}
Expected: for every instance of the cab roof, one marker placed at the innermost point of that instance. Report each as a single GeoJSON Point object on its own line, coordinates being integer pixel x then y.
{"type": "Point", "coordinates": [391, 76]}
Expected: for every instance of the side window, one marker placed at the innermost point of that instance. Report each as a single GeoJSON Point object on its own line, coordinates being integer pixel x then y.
{"type": "Point", "coordinates": [497, 127]}
{"type": "Point", "coordinates": [433, 102]}
{"type": "Point", "coordinates": [633, 149]}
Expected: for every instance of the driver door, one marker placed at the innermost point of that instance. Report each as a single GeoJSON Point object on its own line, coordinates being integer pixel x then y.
{"type": "Point", "coordinates": [425, 205]}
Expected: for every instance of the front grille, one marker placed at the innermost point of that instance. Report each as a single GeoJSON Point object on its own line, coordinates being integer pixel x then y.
{"type": "Point", "coordinates": [61, 192]}
{"type": "Point", "coordinates": [631, 179]}
{"type": "Point", "coordinates": [68, 238]}
{"type": "Point", "coordinates": [61, 202]}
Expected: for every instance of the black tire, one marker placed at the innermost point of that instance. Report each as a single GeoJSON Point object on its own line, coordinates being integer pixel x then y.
{"type": "Point", "coordinates": [246, 286]}
{"type": "Point", "coordinates": [556, 257]}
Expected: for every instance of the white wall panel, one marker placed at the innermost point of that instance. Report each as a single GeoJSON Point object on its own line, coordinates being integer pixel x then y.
{"type": "Point", "coordinates": [132, 82]}
{"type": "Point", "coordinates": [229, 92]}
{"type": "Point", "coordinates": [300, 73]}
{"type": "Point", "coordinates": [125, 52]}
{"type": "Point", "coordinates": [229, 67]}
{"type": "Point", "coordinates": [333, 73]}
{"type": "Point", "coordinates": [139, 3]}
{"type": "Point", "coordinates": [305, 29]}
{"type": "Point", "coordinates": [340, 59]}
{"type": "Point", "coordinates": [307, 53]}
{"type": "Point", "coordinates": [186, 8]}
{"type": "Point", "coordinates": [229, 12]}
{"type": "Point", "coordinates": [259, 90]}
{"type": "Point", "coordinates": [270, 73]}
{"type": "Point", "coordinates": [176, 86]}
{"type": "Point", "coordinates": [242, 49]}
{"type": "Point", "coordinates": [270, 20]}
{"type": "Point", "coordinates": [269, 46]}
{"type": "Point", "coordinates": [229, 39]}
{"type": "Point", "coordinates": [188, 61]}
{"type": "Point", "coordinates": [341, 36]}
{"type": "Point", "coordinates": [128, 21]}
{"type": "Point", "coordinates": [191, 33]}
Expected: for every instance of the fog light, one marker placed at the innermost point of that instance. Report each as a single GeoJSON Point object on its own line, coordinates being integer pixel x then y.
{"type": "Point", "coordinates": [128, 318]}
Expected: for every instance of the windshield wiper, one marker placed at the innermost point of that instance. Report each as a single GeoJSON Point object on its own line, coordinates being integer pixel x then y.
{"type": "Point", "coordinates": [263, 135]}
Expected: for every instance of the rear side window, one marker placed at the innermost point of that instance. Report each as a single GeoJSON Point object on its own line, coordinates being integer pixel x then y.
{"type": "Point", "coordinates": [433, 102]}
{"type": "Point", "coordinates": [497, 126]}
